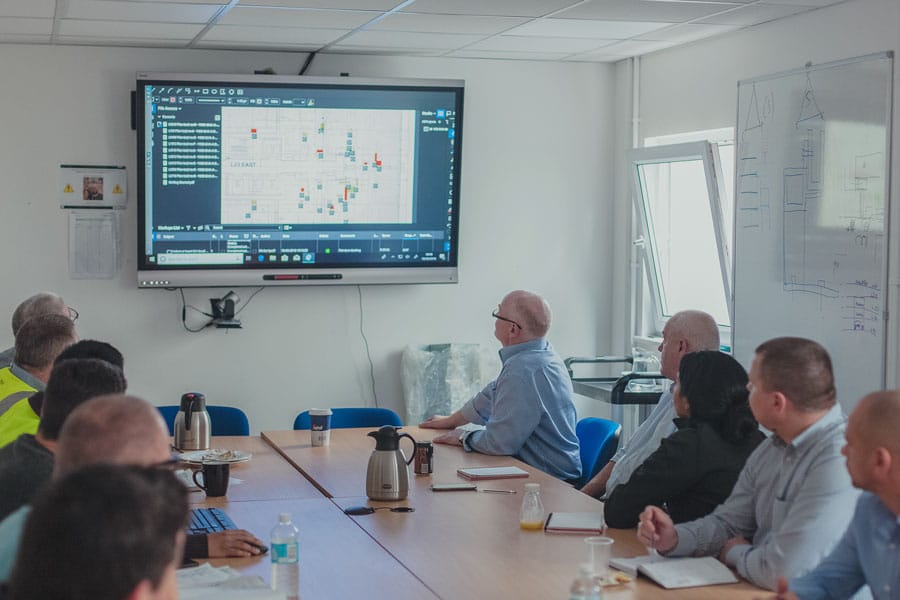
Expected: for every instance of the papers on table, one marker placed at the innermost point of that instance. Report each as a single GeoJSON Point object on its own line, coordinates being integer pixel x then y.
{"type": "Point", "coordinates": [222, 583]}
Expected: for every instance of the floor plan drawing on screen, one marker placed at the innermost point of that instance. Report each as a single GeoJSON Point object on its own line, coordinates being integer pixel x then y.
{"type": "Point", "coordinates": [317, 166]}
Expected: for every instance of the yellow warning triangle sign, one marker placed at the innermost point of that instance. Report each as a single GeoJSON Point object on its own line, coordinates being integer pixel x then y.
{"type": "Point", "coordinates": [68, 189]}
{"type": "Point", "coordinates": [117, 189]}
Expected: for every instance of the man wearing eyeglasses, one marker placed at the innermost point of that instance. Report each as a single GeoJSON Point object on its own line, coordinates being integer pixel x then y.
{"type": "Point", "coordinates": [44, 303]}
{"type": "Point", "coordinates": [527, 411]}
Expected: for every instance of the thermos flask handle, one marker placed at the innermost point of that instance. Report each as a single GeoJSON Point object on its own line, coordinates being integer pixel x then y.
{"type": "Point", "coordinates": [412, 454]}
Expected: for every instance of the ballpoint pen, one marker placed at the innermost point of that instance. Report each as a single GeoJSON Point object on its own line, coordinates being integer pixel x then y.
{"type": "Point", "coordinates": [500, 491]}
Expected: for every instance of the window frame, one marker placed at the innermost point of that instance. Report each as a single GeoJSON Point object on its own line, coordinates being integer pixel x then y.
{"type": "Point", "coordinates": [707, 152]}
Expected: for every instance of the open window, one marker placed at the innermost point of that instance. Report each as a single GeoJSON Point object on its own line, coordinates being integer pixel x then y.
{"type": "Point", "coordinates": [679, 194]}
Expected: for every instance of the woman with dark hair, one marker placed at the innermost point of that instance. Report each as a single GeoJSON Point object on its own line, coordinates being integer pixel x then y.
{"type": "Point", "coordinates": [695, 468]}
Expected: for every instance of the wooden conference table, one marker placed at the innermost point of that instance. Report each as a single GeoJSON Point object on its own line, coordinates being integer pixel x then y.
{"type": "Point", "coordinates": [463, 544]}
{"type": "Point", "coordinates": [337, 558]}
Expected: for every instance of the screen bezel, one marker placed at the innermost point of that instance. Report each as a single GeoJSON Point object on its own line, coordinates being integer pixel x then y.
{"type": "Point", "coordinates": [152, 275]}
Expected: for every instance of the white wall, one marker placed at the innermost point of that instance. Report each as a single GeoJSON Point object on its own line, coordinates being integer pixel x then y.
{"type": "Point", "coordinates": [694, 87]}
{"type": "Point", "coordinates": [537, 188]}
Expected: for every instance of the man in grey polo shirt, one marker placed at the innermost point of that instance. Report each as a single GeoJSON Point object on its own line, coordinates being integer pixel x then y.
{"type": "Point", "coordinates": [794, 497]}
{"type": "Point", "coordinates": [685, 331]}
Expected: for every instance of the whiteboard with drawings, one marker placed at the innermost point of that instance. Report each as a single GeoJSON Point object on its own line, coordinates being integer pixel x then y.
{"type": "Point", "coordinates": [811, 204]}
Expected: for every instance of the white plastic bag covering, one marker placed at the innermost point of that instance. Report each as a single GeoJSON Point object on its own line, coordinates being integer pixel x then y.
{"type": "Point", "coordinates": [438, 379]}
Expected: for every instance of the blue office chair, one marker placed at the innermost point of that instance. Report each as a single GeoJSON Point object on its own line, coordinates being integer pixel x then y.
{"type": "Point", "coordinates": [343, 418]}
{"type": "Point", "coordinates": [599, 440]}
{"type": "Point", "coordinates": [225, 420]}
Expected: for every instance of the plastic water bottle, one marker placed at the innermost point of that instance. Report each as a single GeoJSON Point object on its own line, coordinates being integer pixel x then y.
{"type": "Point", "coordinates": [531, 515]}
{"type": "Point", "coordinates": [585, 586]}
{"type": "Point", "coordinates": [285, 558]}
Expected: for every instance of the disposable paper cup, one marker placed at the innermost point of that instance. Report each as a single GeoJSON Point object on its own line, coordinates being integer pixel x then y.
{"type": "Point", "coordinates": [320, 426]}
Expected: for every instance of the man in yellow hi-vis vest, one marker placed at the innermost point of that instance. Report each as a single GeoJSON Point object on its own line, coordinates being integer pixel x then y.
{"type": "Point", "coordinates": [38, 342]}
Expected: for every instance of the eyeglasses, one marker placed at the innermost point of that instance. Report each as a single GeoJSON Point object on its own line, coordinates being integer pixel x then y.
{"type": "Point", "coordinates": [73, 314]}
{"type": "Point", "coordinates": [496, 316]}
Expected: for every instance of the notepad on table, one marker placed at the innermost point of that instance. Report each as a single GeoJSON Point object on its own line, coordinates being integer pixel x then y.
{"type": "Point", "coordinates": [590, 523]}
{"type": "Point", "coordinates": [479, 473]}
{"type": "Point", "coordinates": [677, 572]}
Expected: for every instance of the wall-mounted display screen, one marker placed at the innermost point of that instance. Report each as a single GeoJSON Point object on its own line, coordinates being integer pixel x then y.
{"type": "Point", "coordinates": [268, 180]}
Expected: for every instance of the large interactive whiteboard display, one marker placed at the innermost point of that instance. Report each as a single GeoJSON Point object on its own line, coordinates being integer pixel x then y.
{"type": "Point", "coordinates": [811, 214]}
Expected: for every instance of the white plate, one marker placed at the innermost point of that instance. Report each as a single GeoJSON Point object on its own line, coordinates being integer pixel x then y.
{"type": "Point", "coordinates": [215, 454]}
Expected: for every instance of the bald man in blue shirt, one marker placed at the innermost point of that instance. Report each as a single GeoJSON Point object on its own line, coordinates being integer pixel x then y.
{"type": "Point", "coordinates": [527, 411]}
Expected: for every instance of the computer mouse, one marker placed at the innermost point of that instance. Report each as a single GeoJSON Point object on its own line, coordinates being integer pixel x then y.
{"type": "Point", "coordinates": [359, 510]}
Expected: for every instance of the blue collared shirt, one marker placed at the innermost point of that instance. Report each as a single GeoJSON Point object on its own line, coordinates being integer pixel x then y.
{"type": "Point", "coordinates": [867, 554]}
{"type": "Point", "coordinates": [528, 411]}
{"type": "Point", "coordinates": [791, 500]}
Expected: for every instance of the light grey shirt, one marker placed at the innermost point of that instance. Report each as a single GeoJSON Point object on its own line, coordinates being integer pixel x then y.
{"type": "Point", "coordinates": [792, 500]}
{"type": "Point", "coordinates": [643, 442]}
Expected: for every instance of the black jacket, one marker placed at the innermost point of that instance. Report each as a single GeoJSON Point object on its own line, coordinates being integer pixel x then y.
{"type": "Point", "coordinates": [692, 472]}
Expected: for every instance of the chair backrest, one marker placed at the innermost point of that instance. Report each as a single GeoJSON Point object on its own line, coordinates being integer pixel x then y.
{"type": "Point", "coordinates": [225, 420]}
{"type": "Point", "coordinates": [342, 418]}
{"type": "Point", "coordinates": [599, 440]}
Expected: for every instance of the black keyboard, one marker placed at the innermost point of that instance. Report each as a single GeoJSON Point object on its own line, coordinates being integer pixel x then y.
{"type": "Point", "coordinates": [209, 520]}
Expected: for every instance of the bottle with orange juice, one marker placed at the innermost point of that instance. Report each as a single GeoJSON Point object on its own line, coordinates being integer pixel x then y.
{"type": "Point", "coordinates": [531, 515]}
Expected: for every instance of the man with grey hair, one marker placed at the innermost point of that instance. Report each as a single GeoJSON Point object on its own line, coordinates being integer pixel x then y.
{"type": "Point", "coordinates": [686, 331]}
{"type": "Point", "coordinates": [121, 430]}
{"type": "Point", "coordinates": [43, 303]}
{"type": "Point", "coordinates": [527, 411]}
{"type": "Point", "coordinates": [39, 341]}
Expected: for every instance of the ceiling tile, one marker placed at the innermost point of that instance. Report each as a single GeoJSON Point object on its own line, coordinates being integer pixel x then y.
{"type": "Point", "coordinates": [671, 11]}
{"type": "Point", "coordinates": [506, 8]}
{"type": "Point", "coordinates": [309, 18]}
{"type": "Point", "coordinates": [499, 55]}
{"type": "Point", "coordinates": [27, 8]}
{"type": "Point", "coordinates": [16, 38]}
{"type": "Point", "coordinates": [154, 12]}
{"type": "Point", "coordinates": [124, 30]}
{"type": "Point", "coordinates": [478, 25]}
{"type": "Point", "coordinates": [26, 26]}
{"type": "Point", "coordinates": [515, 43]}
{"type": "Point", "coordinates": [595, 57]}
{"type": "Point", "coordinates": [402, 39]}
{"type": "Point", "coordinates": [687, 32]}
{"type": "Point", "coordinates": [315, 38]}
{"type": "Point", "coordinates": [754, 14]}
{"type": "Point", "coordinates": [381, 5]}
{"type": "Point", "coordinates": [386, 51]}
{"type": "Point", "coordinates": [606, 30]}
{"type": "Point", "coordinates": [810, 3]}
{"type": "Point", "coordinates": [635, 48]}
